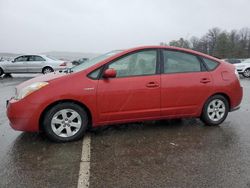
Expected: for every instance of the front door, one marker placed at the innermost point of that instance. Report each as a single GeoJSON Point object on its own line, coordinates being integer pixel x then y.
{"type": "Point", "coordinates": [135, 91]}
{"type": "Point", "coordinates": [18, 65]}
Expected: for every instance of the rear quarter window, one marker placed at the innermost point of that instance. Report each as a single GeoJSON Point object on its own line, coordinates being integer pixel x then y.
{"type": "Point", "coordinates": [210, 64]}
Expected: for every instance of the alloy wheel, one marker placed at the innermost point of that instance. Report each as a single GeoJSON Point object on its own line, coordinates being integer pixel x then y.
{"type": "Point", "coordinates": [216, 110]}
{"type": "Point", "coordinates": [66, 123]}
{"type": "Point", "coordinates": [47, 70]}
{"type": "Point", "coordinates": [247, 73]}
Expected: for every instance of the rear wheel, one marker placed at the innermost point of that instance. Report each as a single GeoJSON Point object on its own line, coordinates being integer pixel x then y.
{"type": "Point", "coordinates": [65, 122]}
{"type": "Point", "coordinates": [47, 70]}
{"type": "Point", "coordinates": [215, 110]}
{"type": "Point", "coordinates": [246, 73]}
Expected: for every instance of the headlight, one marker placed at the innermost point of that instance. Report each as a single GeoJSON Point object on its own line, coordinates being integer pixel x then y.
{"type": "Point", "coordinates": [30, 89]}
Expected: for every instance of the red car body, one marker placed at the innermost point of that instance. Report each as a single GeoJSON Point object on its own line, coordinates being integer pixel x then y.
{"type": "Point", "coordinates": [129, 99]}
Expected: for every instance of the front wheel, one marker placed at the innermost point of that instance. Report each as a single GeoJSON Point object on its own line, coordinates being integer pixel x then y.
{"type": "Point", "coordinates": [65, 122]}
{"type": "Point", "coordinates": [246, 73]}
{"type": "Point", "coordinates": [215, 110]}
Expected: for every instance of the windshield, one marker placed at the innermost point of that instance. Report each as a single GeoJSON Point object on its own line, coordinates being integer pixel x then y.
{"type": "Point", "coordinates": [94, 61]}
{"type": "Point", "coordinates": [246, 61]}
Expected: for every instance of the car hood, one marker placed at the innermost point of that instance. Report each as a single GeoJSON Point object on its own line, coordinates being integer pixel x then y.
{"type": "Point", "coordinates": [5, 62]}
{"type": "Point", "coordinates": [42, 78]}
{"type": "Point", "coordinates": [242, 64]}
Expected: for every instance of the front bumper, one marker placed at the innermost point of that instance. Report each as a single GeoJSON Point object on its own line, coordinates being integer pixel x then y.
{"type": "Point", "coordinates": [240, 71]}
{"type": "Point", "coordinates": [23, 116]}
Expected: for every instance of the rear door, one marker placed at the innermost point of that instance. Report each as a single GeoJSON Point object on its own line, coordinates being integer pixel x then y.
{"type": "Point", "coordinates": [185, 84]}
{"type": "Point", "coordinates": [35, 63]}
{"type": "Point", "coordinates": [134, 93]}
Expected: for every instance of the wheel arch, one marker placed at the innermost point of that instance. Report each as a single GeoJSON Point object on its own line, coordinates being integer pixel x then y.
{"type": "Point", "coordinates": [47, 66]}
{"type": "Point", "coordinates": [219, 93]}
{"type": "Point", "coordinates": [63, 101]}
{"type": "Point", "coordinates": [247, 68]}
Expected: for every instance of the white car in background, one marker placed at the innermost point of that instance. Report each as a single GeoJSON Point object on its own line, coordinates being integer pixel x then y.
{"type": "Point", "coordinates": [244, 68]}
{"type": "Point", "coordinates": [32, 64]}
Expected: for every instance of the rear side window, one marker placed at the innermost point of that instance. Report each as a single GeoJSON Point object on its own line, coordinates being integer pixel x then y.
{"type": "Point", "coordinates": [180, 62]}
{"type": "Point", "coordinates": [211, 65]}
{"type": "Point", "coordinates": [36, 58]}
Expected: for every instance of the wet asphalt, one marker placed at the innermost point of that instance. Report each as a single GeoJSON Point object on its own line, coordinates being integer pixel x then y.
{"type": "Point", "coordinates": [170, 153]}
{"type": "Point", "coordinates": [30, 159]}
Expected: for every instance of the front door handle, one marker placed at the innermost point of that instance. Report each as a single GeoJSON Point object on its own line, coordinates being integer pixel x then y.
{"type": "Point", "coordinates": [152, 84]}
{"type": "Point", "coordinates": [205, 80]}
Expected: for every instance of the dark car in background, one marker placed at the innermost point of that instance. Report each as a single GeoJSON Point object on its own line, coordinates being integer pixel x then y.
{"type": "Point", "coordinates": [79, 61]}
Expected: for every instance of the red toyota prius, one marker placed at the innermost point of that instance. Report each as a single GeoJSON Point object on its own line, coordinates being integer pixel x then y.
{"type": "Point", "coordinates": [145, 83]}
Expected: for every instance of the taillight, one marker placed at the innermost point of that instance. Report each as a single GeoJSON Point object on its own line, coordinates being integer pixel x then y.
{"type": "Point", "coordinates": [64, 64]}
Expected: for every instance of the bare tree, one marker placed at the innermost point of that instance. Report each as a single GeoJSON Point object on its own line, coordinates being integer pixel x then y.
{"type": "Point", "coordinates": [233, 44]}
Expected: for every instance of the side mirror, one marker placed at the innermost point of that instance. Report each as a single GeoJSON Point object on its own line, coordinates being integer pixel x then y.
{"type": "Point", "coordinates": [109, 73]}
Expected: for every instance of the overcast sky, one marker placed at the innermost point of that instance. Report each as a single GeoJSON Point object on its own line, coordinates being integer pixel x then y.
{"type": "Point", "coordinates": [32, 26]}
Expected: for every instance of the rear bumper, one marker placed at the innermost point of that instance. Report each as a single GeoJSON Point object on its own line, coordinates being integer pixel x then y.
{"type": "Point", "coordinates": [236, 98]}
{"type": "Point", "coordinates": [59, 68]}
{"type": "Point", "coordinates": [22, 115]}
{"type": "Point", "coordinates": [234, 109]}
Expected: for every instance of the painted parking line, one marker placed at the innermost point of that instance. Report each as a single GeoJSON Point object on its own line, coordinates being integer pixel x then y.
{"type": "Point", "coordinates": [84, 172]}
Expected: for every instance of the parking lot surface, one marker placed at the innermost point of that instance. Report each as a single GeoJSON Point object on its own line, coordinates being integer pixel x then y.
{"type": "Point", "coordinates": [169, 153]}
{"type": "Point", "coordinates": [30, 159]}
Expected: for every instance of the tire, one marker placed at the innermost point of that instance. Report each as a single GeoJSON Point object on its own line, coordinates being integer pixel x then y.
{"type": "Point", "coordinates": [1, 71]}
{"type": "Point", "coordinates": [246, 73]}
{"type": "Point", "coordinates": [215, 110]}
{"type": "Point", "coordinates": [65, 122]}
{"type": "Point", "coordinates": [47, 70]}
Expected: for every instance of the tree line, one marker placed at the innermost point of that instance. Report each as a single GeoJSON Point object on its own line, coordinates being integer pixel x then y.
{"type": "Point", "coordinates": [218, 43]}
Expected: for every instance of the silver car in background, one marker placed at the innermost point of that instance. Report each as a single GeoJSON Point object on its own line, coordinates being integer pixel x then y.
{"type": "Point", "coordinates": [244, 68]}
{"type": "Point", "coordinates": [32, 64]}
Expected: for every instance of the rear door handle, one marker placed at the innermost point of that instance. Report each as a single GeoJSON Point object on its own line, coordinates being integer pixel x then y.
{"type": "Point", "coordinates": [152, 84]}
{"type": "Point", "coordinates": [205, 80]}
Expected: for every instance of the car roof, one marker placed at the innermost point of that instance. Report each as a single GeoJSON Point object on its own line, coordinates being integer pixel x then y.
{"type": "Point", "coordinates": [41, 55]}
{"type": "Point", "coordinates": [174, 48]}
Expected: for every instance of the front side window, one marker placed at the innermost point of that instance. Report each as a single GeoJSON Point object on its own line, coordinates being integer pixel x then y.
{"type": "Point", "coordinates": [21, 58]}
{"type": "Point", "coordinates": [180, 62]}
{"type": "Point", "coordinates": [136, 64]}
